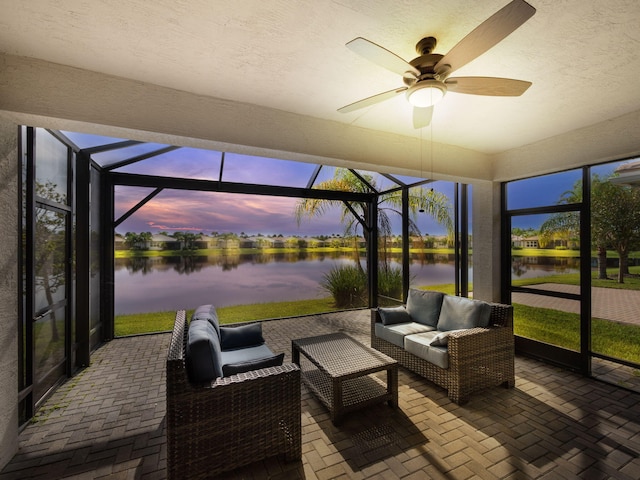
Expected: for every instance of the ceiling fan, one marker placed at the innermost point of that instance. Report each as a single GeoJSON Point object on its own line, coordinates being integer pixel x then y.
{"type": "Point", "coordinates": [427, 77]}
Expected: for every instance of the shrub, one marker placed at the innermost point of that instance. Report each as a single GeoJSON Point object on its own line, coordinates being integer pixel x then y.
{"type": "Point", "coordinates": [348, 286]}
{"type": "Point", "coordinates": [390, 282]}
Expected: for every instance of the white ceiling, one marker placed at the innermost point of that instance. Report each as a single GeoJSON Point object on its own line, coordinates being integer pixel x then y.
{"type": "Point", "coordinates": [583, 57]}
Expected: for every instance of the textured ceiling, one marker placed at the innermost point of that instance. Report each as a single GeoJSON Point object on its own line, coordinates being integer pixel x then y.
{"type": "Point", "coordinates": [583, 57]}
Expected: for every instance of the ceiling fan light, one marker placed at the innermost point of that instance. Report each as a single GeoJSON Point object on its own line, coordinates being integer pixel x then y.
{"type": "Point", "coordinates": [426, 93]}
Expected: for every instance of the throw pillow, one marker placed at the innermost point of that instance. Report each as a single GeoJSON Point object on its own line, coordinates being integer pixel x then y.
{"type": "Point", "coordinates": [424, 306]}
{"type": "Point", "coordinates": [393, 315]}
{"type": "Point", "coordinates": [235, 368]}
{"type": "Point", "coordinates": [460, 313]}
{"type": "Point", "coordinates": [243, 336]}
{"type": "Point", "coordinates": [442, 339]}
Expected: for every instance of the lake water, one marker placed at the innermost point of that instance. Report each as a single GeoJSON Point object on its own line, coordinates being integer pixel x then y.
{"type": "Point", "coordinates": [183, 282]}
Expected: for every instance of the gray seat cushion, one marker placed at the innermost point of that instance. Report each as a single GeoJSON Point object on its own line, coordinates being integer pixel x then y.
{"type": "Point", "coordinates": [460, 312]}
{"type": "Point", "coordinates": [420, 345]}
{"type": "Point", "coordinates": [424, 306]}
{"type": "Point", "coordinates": [395, 333]}
{"type": "Point", "coordinates": [248, 354]}
{"type": "Point", "coordinates": [243, 367]}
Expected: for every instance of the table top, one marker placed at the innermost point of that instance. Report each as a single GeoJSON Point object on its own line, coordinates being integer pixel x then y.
{"type": "Point", "coordinates": [338, 355]}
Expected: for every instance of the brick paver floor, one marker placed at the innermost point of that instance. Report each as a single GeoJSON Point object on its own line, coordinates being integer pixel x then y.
{"type": "Point", "coordinates": [108, 422]}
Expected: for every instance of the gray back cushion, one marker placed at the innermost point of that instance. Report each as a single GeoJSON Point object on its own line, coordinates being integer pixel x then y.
{"type": "Point", "coordinates": [424, 306]}
{"type": "Point", "coordinates": [393, 315]}
{"type": "Point", "coordinates": [460, 312]}
{"type": "Point", "coordinates": [203, 352]}
{"type": "Point", "coordinates": [207, 312]}
{"type": "Point", "coordinates": [241, 336]}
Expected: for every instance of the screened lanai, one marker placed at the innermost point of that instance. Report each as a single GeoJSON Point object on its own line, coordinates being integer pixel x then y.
{"type": "Point", "coordinates": [87, 193]}
{"type": "Point", "coordinates": [83, 193]}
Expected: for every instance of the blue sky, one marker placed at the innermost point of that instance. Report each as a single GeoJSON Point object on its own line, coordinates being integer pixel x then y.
{"type": "Point", "coordinates": [188, 211]}
{"type": "Point", "coordinates": [174, 210]}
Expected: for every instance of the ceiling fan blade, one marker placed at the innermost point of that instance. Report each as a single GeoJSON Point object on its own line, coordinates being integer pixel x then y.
{"type": "Point", "coordinates": [381, 56]}
{"type": "Point", "coordinates": [422, 117]}
{"type": "Point", "coordinates": [367, 102]}
{"type": "Point", "coordinates": [486, 35]}
{"type": "Point", "coordinates": [493, 86]}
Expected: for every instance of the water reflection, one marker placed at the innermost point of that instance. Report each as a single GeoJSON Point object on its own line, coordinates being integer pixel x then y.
{"type": "Point", "coordinates": [146, 284]}
{"type": "Point", "coordinates": [531, 267]}
{"type": "Point", "coordinates": [193, 263]}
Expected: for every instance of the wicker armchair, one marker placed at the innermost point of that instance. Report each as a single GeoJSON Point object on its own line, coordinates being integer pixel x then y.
{"type": "Point", "coordinates": [233, 421]}
{"type": "Point", "coordinates": [478, 357]}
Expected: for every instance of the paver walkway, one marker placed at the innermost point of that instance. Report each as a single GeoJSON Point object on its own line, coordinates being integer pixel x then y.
{"type": "Point", "coordinates": [607, 303]}
{"type": "Point", "coordinates": [108, 423]}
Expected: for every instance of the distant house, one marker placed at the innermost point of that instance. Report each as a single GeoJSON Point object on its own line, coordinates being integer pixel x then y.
{"type": "Point", "coordinates": [279, 242]}
{"type": "Point", "coordinates": [393, 241]}
{"type": "Point", "coordinates": [160, 241]}
{"type": "Point", "coordinates": [119, 243]}
{"type": "Point", "coordinates": [204, 242]}
{"type": "Point", "coordinates": [316, 242]}
{"type": "Point", "coordinates": [519, 241]}
{"type": "Point", "coordinates": [228, 243]}
{"type": "Point", "coordinates": [256, 242]}
{"type": "Point", "coordinates": [440, 241]}
{"type": "Point", "coordinates": [248, 242]}
{"type": "Point", "coordinates": [628, 174]}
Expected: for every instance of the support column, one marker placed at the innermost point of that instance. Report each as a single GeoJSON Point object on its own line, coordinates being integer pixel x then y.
{"type": "Point", "coordinates": [486, 241]}
{"type": "Point", "coordinates": [9, 278]}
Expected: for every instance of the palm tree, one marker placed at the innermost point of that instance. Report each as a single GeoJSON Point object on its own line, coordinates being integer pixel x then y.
{"type": "Point", "coordinates": [433, 203]}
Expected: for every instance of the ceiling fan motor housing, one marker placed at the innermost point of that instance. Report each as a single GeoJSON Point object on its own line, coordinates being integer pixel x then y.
{"type": "Point", "coordinates": [425, 62]}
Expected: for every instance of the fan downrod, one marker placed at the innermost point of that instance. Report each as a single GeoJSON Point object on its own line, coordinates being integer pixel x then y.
{"type": "Point", "coordinates": [426, 45]}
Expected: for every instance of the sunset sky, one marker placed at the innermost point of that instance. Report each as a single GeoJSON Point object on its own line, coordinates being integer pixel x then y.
{"type": "Point", "coordinates": [207, 212]}
{"type": "Point", "coordinates": [174, 210]}
{"type": "Point", "coordinates": [188, 211]}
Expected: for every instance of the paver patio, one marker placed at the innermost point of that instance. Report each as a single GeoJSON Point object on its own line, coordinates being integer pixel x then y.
{"type": "Point", "coordinates": [108, 422]}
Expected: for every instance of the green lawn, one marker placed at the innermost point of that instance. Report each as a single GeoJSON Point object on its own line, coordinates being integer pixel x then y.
{"type": "Point", "coordinates": [630, 282]}
{"type": "Point", "coordinates": [163, 321]}
{"type": "Point", "coordinates": [546, 325]}
{"type": "Point", "coordinates": [613, 339]}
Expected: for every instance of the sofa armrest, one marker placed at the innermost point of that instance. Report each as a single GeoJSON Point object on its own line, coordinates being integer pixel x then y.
{"type": "Point", "coordinates": [472, 345]}
{"type": "Point", "coordinates": [263, 373]}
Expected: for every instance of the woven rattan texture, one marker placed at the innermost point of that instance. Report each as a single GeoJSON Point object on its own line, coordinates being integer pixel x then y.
{"type": "Point", "coordinates": [339, 355]}
{"type": "Point", "coordinates": [478, 358]}
{"type": "Point", "coordinates": [234, 421]}
{"type": "Point", "coordinates": [341, 372]}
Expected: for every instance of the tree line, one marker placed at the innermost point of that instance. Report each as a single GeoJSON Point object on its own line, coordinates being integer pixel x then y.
{"type": "Point", "coordinates": [615, 221]}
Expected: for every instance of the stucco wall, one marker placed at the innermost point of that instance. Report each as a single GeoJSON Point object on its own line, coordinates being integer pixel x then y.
{"type": "Point", "coordinates": [8, 291]}
{"type": "Point", "coordinates": [486, 241]}
{"type": "Point", "coordinates": [40, 93]}
{"type": "Point", "coordinates": [614, 139]}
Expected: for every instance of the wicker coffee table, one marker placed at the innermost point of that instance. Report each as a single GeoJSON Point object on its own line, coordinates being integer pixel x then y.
{"type": "Point", "coordinates": [340, 372]}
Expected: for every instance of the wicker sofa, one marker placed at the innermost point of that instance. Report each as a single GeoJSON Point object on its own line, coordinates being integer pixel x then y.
{"type": "Point", "coordinates": [460, 344]}
{"type": "Point", "coordinates": [230, 421]}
